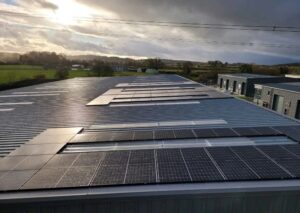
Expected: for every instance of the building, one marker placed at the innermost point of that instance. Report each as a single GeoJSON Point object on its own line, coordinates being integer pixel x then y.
{"type": "Point", "coordinates": [157, 143]}
{"type": "Point", "coordinates": [243, 83]}
{"type": "Point", "coordinates": [281, 97]}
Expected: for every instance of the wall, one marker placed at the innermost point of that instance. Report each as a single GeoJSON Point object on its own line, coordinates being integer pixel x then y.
{"type": "Point", "coordinates": [255, 202]}
{"type": "Point", "coordinates": [290, 99]}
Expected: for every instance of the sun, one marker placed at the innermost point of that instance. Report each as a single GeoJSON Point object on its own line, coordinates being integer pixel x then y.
{"type": "Point", "coordinates": [69, 12]}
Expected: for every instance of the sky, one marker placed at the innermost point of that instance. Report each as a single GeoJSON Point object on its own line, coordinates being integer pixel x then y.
{"type": "Point", "coordinates": [155, 28]}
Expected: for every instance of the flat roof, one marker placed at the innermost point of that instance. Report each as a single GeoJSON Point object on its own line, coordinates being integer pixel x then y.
{"type": "Point", "coordinates": [248, 75]}
{"type": "Point", "coordinates": [145, 131]}
{"type": "Point", "coordinates": [290, 86]}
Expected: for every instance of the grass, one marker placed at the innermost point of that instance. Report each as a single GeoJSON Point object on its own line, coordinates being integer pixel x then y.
{"type": "Point", "coordinates": [10, 74]}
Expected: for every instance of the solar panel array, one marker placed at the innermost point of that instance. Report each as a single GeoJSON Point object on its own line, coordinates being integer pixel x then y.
{"type": "Point", "coordinates": [187, 165]}
{"type": "Point", "coordinates": [143, 135]}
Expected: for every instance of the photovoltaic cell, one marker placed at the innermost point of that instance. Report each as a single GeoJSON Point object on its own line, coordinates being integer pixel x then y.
{"type": "Point", "coordinates": [292, 165]}
{"type": "Point", "coordinates": [266, 131]}
{"type": "Point", "coordinates": [164, 134]}
{"type": "Point", "coordinates": [143, 135]}
{"type": "Point", "coordinates": [225, 132]}
{"type": "Point", "coordinates": [290, 131]}
{"type": "Point", "coordinates": [276, 152]}
{"type": "Point", "coordinates": [173, 172]}
{"type": "Point", "coordinates": [141, 157]}
{"type": "Point", "coordinates": [110, 175]}
{"type": "Point", "coordinates": [266, 169]}
{"type": "Point", "coordinates": [202, 171]}
{"type": "Point", "coordinates": [222, 154]}
{"type": "Point", "coordinates": [246, 131]}
{"type": "Point", "coordinates": [116, 158]}
{"type": "Point", "coordinates": [169, 155]}
{"type": "Point", "coordinates": [236, 170]}
{"type": "Point", "coordinates": [248, 152]}
{"type": "Point", "coordinates": [140, 174]}
{"type": "Point", "coordinates": [293, 149]}
{"type": "Point", "coordinates": [204, 133]}
{"type": "Point", "coordinates": [195, 154]}
{"type": "Point", "coordinates": [77, 176]}
{"type": "Point", "coordinates": [184, 134]}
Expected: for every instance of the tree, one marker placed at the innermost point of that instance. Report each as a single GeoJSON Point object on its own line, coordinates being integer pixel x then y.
{"type": "Point", "coordinates": [284, 70]}
{"type": "Point", "coordinates": [62, 72]}
{"type": "Point", "coordinates": [102, 69]}
{"type": "Point", "coordinates": [246, 68]}
{"type": "Point", "coordinates": [154, 63]}
{"type": "Point", "coordinates": [187, 68]}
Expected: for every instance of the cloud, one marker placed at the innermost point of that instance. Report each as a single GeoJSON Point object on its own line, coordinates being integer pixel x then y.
{"type": "Point", "coordinates": [104, 37]}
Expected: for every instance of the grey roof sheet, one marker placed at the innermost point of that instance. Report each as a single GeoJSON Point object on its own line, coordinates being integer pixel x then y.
{"type": "Point", "coordinates": [68, 109]}
{"type": "Point", "coordinates": [249, 75]}
{"type": "Point", "coordinates": [291, 86]}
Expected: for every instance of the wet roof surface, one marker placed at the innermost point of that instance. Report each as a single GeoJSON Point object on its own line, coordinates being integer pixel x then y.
{"type": "Point", "coordinates": [39, 164]}
{"type": "Point", "coordinates": [292, 86]}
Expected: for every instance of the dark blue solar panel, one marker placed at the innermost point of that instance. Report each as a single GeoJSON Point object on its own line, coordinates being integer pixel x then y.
{"type": "Point", "coordinates": [222, 154]}
{"type": "Point", "coordinates": [236, 170]}
{"type": "Point", "coordinates": [203, 171]}
{"type": "Point", "coordinates": [143, 135]}
{"type": "Point", "coordinates": [225, 132]}
{"type": "Point", "coordinates": [110, 175]}
{"type": "Point", "coordinates": [184, 134]}
{"type": "Point", "coordinates": [173, 172]}
{"type": "Point", "coordinates": [142, 157]}
{"type": "Point", "coordinates": [164, 134]}
{"type": "Point", "coordinates": [276, 152]}
{"type": "Point", "coordinates": [195, 154]}
{"type": "Point", "coordinates": [140, 174]}
{"type": "Point", "coordinates": [169, 155]}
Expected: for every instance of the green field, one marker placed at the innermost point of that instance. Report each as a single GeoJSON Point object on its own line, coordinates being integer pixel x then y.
{"type": "Point", "coordinates": [10, 74]}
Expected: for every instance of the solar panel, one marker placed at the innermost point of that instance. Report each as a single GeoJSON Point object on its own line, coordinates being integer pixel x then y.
{"type": "Point", "coordinates": [169, 155]}
{"type": "Point", "coordinates": [290, 131]}
{"type": "Point", "coordinates": [222, 154]}
{"type": "Point", "coordinates": [143, 135]}
{"type": "Point", "coordinates": [292, 165]}
{"type": "Point", "coordinates": [266, 169]}
{"type": "Point", "coordinates": [236, 170]}
{"type": "Point", "coordinates": [110, 175]}
{"type": "Point", "coordinates": [195, 154]}
{"type": "Point", "coordinates": [248, 152]}
{"type": "Point", "coordinates": [141, 157]}
{"type": "Point", "coordinates": [45, 178]}
{"type": "Point", "coordinates": [81, 138]}
{"type": "Point", "coordinates": [246, 131]}
{"type": "Point", "coordinates": [140, 174]}
{"type": "Point", "coordinates": [116, 158]}
{"type": "Point", "coordinates": [62, 160]}
{"type": "Point", "coordinates": [122, 136]}
{"type": "Point", "coordinates": [295, 149]}
{"type": "Point", "coordinates": [173, 172]}
{"type": "Point", "coordinates": [276, 152]}
{"type": "Point", "coordinates": [89, 159]}
{"type": "Point", "coordinates": [202, 171]}
{"type": "Point", "coordinates": [184, 134]}
{"type": "Point", "coordinates": [204, 133]}
{"type": "Point", "coordinates": [225, 132]}
{"type": "Point", "coordinates": [266, 131]}
{"type": "Point", "coordinates": [77, 176]}
{"type": "Point", "coordinates": [163, 134]}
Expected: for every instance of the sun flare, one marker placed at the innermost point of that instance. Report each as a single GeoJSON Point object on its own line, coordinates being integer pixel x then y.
{"type": "Point", "coordinates": [69, 12]}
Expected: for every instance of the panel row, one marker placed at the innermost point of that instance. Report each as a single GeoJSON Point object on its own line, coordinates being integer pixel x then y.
{"type": "Point", "coordinates": [144, 135]}
{"type": "Point", "coordinates": [166, 166]}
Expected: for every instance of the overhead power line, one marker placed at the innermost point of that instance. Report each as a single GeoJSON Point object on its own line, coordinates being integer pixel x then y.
{"type": "Point", "coordinates": [192, 25]}
{"type": "Point", "coordinates": [166, 39]}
